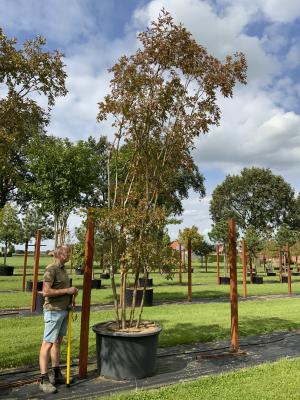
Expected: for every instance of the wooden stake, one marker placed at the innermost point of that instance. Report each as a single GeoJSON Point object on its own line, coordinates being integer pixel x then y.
{"type": "Point", "coordinates": [180, 264]}
{"type": "Point", "coordinates": [244, 263]}
{"type": "Point", "coordinates": [288, 262]}
{"type": "Point", "coordinates": [36, 269]}
{"type": "Point", "coordinates": [280, 263]}
{"type": "Point", "coordinates": [189, 270]}
{"type": "Point", "coordinates": [218, 265]}
{"type": "Point", "coordinates": [233, 286]}
{"type": "Point", "coordinates": [86, 299]}
{"type": "Point", "coordinates": [25, 266]}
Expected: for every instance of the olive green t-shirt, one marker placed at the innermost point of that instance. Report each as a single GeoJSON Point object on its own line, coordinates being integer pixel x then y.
{"type": "Point", "coordinates": [59, 279]}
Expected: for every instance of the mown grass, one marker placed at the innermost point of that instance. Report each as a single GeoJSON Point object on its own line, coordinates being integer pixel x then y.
{"type": "Point", "coordinates": [204, 285]}
{"type": "Point", "coordinates": [278, 381]}
{"type": "Point", "coordinates": [20, 338]}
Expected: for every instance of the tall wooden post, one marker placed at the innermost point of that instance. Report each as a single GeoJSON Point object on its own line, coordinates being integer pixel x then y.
{"type": "Point", "coordinates": [189, 270]}
{"type": "Point", "coordinates": [36, 269]}
{"type": "Point", "coordinates": [218, 265]}
{"type": "Point", "coordinates": [244, 264]}
{"type": "Point", "coordinates": [280, 263]}
{"type": "Point", "coordinates": [86, 299]}
{"type": "Point", "coordinates": [180, 264]}
{"type": "Point", "coordinates": [233, 286]}
{"type": "Point", "coordinates": [25, 266]}
{"type": "Point", "coordinates": [288, 262]}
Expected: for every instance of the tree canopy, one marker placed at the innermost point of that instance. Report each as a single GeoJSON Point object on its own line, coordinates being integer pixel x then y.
{"type": "Point", "coordinates": [65, 176]}
{"type": "Point", "coordinates": [256, 198]}
{"type": "Point", "coordinates": [10, 227]}
{"type": "Point", "coordinates": [26, 71]}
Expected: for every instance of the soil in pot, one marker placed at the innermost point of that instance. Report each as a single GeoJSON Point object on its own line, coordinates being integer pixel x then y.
{"type": "Point", "coordinates": [129, 354]}
{"type": "Point", "coordinates": [148, 302]}
{"type": "Point", "coordinates": [6, 270]}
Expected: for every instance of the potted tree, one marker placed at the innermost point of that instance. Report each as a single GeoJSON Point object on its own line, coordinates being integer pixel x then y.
{"type": "Point", "coordinates": [162, 97]}
{"type": "Point", "coordinates": [10, 232]}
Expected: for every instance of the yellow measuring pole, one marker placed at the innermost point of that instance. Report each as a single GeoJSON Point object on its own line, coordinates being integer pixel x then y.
{"type": "Point", "coordinates": [70, 315]}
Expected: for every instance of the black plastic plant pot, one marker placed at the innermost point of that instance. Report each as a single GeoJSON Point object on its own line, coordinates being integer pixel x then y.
{"type": "Point", "coordinates": [257, 279]}
{"type": "Point", "coordinates": [224, 280]}
{"type": "Point", "coordinates": [149, 282]}
{"type": "Point", "coordinates": [295, 273]}
{"type": "Point", "coordinates": [40, 300]}
{"type": "Point", "coordinates": [284, 279]}
{"type": "Point", "coordinates": [126, 355]}
{"type": "Point", "coordinates": [271, 273]}
{"type": "Point", "coordinates": [105, 276]}
{"type": "Point", "coordinates": [96, 283]}
{"type": "Point", "coordinates": [148, 302]}
{"type": "Point", "coordinates": [78, 271]}
{"type": "Point", "coordinates": [29, 285]}
{"type": "Point", "coordinates": [6, 270]}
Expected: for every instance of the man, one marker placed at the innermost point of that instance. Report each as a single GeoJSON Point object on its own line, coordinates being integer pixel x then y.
{"type": "Point", "coordinates": [58, 297]}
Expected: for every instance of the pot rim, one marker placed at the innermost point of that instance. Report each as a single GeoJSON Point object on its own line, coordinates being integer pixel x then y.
{"type": "Point", "coordinates": [105, 332]}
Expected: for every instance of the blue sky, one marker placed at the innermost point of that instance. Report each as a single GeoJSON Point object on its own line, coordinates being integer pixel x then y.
{"type": "Point", "coordinates": [260, 125]}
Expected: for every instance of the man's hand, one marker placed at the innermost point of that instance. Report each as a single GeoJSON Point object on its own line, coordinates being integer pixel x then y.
{"type": "Point", "coordinates": [72, 290]}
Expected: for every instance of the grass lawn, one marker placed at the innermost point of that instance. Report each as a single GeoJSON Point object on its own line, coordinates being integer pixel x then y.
{"type": "Point", "coordinates": [204, 285]}
{"type": "Point", "coordinates": [20, 338]}
{"type": "Point", "coordinates": [266, 382]}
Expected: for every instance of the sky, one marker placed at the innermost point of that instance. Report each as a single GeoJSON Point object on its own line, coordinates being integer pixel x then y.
{"type": "Point", "coordinates": [260, 125]}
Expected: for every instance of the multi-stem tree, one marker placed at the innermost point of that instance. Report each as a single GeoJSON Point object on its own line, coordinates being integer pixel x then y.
{"type": "Point", "coordinates": [162, 97]}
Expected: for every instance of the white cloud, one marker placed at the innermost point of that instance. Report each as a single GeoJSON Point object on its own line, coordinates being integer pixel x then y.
{"type": "Point", "coordinates": [259, 126]}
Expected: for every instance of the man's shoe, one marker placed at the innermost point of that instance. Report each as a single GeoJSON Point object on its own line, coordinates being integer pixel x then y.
{"type": "Point", "coordinates": [57, 378]}
{"type": "Point", "coordinates": [47, 387]}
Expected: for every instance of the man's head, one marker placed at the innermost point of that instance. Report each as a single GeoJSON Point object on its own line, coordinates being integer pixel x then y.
{"type": "Point", "coordinates": [62, 254]}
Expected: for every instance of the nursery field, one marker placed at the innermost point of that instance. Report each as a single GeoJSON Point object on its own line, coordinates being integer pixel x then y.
{"type": "Point", "coordinates": [204, 285]}
{"type": "Point", "coordinates": [182, 323]}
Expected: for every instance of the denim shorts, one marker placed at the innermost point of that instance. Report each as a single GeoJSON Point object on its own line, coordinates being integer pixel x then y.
{"type": "Point", "coordinates": [56, 324]}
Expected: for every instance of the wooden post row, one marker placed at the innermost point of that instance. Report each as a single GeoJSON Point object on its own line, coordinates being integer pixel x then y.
{"type": "Point", "coordinates": [25, 266]}
{"type": "Point", "coordinates": [36, 269]}
{"type": "Point", "coordinates": [244, 264]}
{"type": "Point", "coordinates": [180, 264]}
{"type": "Point", "coordinates": [189, 270]}
{"type": "Point", "coordinates": [288, 262]}
{"type": "Point", "coordinates": [233, 286]}
{"type": "Point", "coordinates": [218, 265]}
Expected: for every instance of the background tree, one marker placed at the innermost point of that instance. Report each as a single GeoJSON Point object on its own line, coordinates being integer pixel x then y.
{"type": "Point", "coordinates": [66, 176]}
{"type": "Point", "coordinates": [34, 219]}
{"type": "Point", "coordinates": [203, 250]}
{"type": "Point", "coordinates": [193, 234]}
{"type": "Point", "coordinates": [254, 244]}
{"type": "Point", "coordinates": [256, 198]}
{"type": "Point", "coordinates": [10, 227]}
{"type": "Point", "coordinates": [219, 236]}
{"type": "Point", "coordinates": [25, 71]}
{"type": "Point", "coordinates": [162, 97]}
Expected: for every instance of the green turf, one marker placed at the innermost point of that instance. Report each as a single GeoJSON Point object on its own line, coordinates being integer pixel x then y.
{"type": "Point", "coordinates": [20, 337]}
{"type": "Point", "coordinates": [278, 381]}
{"type": "Point", "coordinates": [204, 285]}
